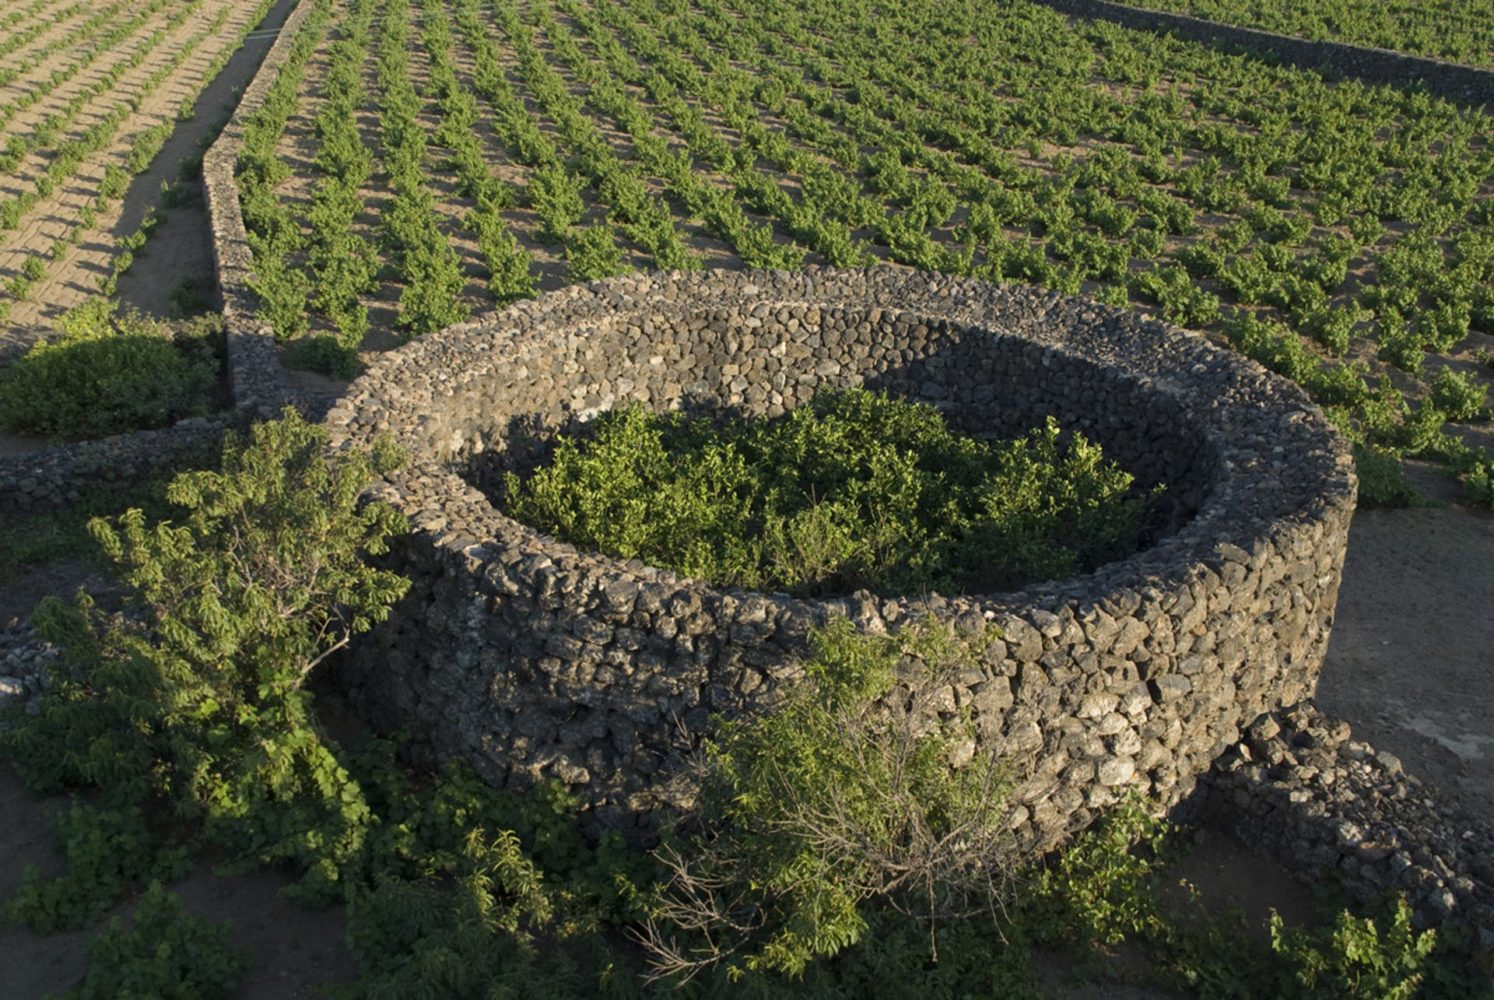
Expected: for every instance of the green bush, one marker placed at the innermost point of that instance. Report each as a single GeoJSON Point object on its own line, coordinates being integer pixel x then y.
{"type": "Point", "coordinates": [1098, 889]}
{"type": "Point", "coordinates": [1104, 888]}
{"type": "Point", "coordinates": [323, 353]}
{"type": "Point", "coordinates": [192, 726]}
{"type": "Point", "coordinates": [854, 490]}
{"type": "Point", "coordinates": [196, 707]}
{"type": "Point", "coordinates": [1478, 480]}
{"type": "Point", "coordinates": [1357, 957]}
{"type": "Point", "coordinates": [834, 802]}
{"type": "Point", "coordinates": [1458, 395]}
{"type": "Point", "coordinates": [165, 953]}
{"type": "Point", "coordinates": [112, 372]}
{"type": "Point", "coordinates": [1382, 479]}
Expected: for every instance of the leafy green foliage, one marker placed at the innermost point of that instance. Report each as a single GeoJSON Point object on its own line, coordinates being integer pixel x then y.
{"type": "Point", "coordinates": [198, 704]}
{"type": "Point", "coordinates": [165, 952]}
{"type": "Point", "coordinates": [1459, 395]}
{"type": "Point", "coordinates": [37, 538]}
{"type": "Point", "coordinates": [282, 285]}
{"type": "Point", "coordinates": [63, 144]}
{"type": "Point", "coordinates": [191, 724]}
{"type": "Point", "coordinates": [111, 372]}
{"type": "Point", "coordinates": [1478, 480]}
{"type": "Point", "coordinates": [856, 489]}
{"type": "Point", "coordinates": [1356, 957]}
{"type": "Point", "coordinates": [1382, 479]}
{"type": "Point", "coordinates": [459, 940]}
{"type": "Point", "coordinates": [1103, 889]}
{"type": "Point", "coordinates": [108, 849]}
{"type": "Point", "coordinates": [1340, 217]}
{"type": "Point", "coordinates": [325, 354]}
{"type": "Point", "coordinates": [1098, 886]}
{"type": "Point", "coordinates": [431, 269]}
{"type": "Point", "coordinates": [832, 801]}
{"type": "Point", "coordinates": [464, 891]}
{"type": "Point", "coordinates": [1443, 29]}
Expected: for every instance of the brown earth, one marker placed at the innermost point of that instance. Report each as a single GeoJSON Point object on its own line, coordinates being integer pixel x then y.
{"type": "Point", "coordinates": [1411, 661]}
{"type": "Point", "coordinates": [74, 278]}
{"type": "Point", "coordinates": [292, 952]}
{"type": "Point", "coordinates": [180, 251]}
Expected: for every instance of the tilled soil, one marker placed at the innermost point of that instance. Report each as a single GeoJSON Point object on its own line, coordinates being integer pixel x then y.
{"type": "Point", "coordinates": [180, 251]}
{"type": "Point", "coordinates": [74, 278]}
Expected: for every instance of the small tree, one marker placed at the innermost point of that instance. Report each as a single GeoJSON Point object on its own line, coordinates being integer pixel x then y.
{"type": "Point", "coordinates": [197, 702]}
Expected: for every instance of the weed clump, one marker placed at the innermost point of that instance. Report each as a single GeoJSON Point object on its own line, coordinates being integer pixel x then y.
{"type": "Point", "coordinates": [844, 800]}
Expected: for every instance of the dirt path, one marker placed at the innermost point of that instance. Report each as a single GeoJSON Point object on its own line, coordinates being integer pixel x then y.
{"type": "Point", "coordinates": [1411, 661]}
{"type": "Point", "coordinates": [180, 253]}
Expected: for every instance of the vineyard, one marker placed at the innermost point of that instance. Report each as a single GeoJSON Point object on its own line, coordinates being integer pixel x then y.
{"type": "Point", "coordinates": [89, 94]}
{"type": "Point", "coordinates": [402, 166]}
{"type": "Point", "coordinates": [1454, 30]}
{"type": "Point", "coordinates": [424, 160]}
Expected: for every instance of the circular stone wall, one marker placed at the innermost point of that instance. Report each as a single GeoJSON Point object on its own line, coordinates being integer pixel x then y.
{"type": "Point", "coordinates": [540, 662]}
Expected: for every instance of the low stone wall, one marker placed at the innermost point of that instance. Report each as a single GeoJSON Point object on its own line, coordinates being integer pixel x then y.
{"type": "Point", "coordinates": [541, 662]}
{"type": "Point", "coordinates": [46, 479]}
{"type": "Point", "coordinates": [43, 479]}
{"type": "Point", "coordinates": [1300, 789]}
{"type": "Point", "coordinates": [1462, 84]}
{"type": "Point", "coordinates": [254, 369]}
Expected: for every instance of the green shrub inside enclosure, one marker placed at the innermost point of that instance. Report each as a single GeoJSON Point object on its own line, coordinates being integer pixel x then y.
{"type": "Point", "coordinates": [112, 372]}
{"type": "Point", "coordinates": [855, 490]}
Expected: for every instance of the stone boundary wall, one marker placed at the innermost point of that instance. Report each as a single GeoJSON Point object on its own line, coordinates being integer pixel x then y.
{"type": "Point", "coordinates": [42, 479]}
{"type": "Point", "coordinates": [52, 477]}
{"type": "Point", "coordinates": [1298, 788]}
{"type": "Point", "coordinates": [1453, 81]}
{"type": "Point", "coordinates": [537, 661]}
{"type": "Point", "coordinates": [254, 370]}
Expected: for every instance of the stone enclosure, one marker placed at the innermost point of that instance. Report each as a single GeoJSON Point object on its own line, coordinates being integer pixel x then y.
{"type": "Point", "coordinates": [537, 661]}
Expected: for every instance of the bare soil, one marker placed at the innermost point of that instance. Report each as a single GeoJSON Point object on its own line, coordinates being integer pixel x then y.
{"type": "Point", "coordinates": [292, 952]}
{"type": "Point", "coordinates": [74, 278]}
{"type": "Point", "coordinates": [1411, 661]}
{"type": "Point", "coordinates": [180, 251]}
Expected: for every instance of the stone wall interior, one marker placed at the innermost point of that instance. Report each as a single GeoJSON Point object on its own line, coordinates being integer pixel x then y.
{"type": "Point", "coordinates": [540, 662]}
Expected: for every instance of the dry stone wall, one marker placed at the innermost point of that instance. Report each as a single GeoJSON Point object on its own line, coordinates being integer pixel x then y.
{"type": "Point", "coordinates": [44, 479]}
{"type": "Point", "coordinates": [1299, 788]}
{"type": "Point", "coordinates": [539, 662]}
{"type": "Point", "coordinates": [254, 369]}
{"type": "Point", "coordinates": [1461, 84]}
{"type": "Point", "coordinates": [57, 476]}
